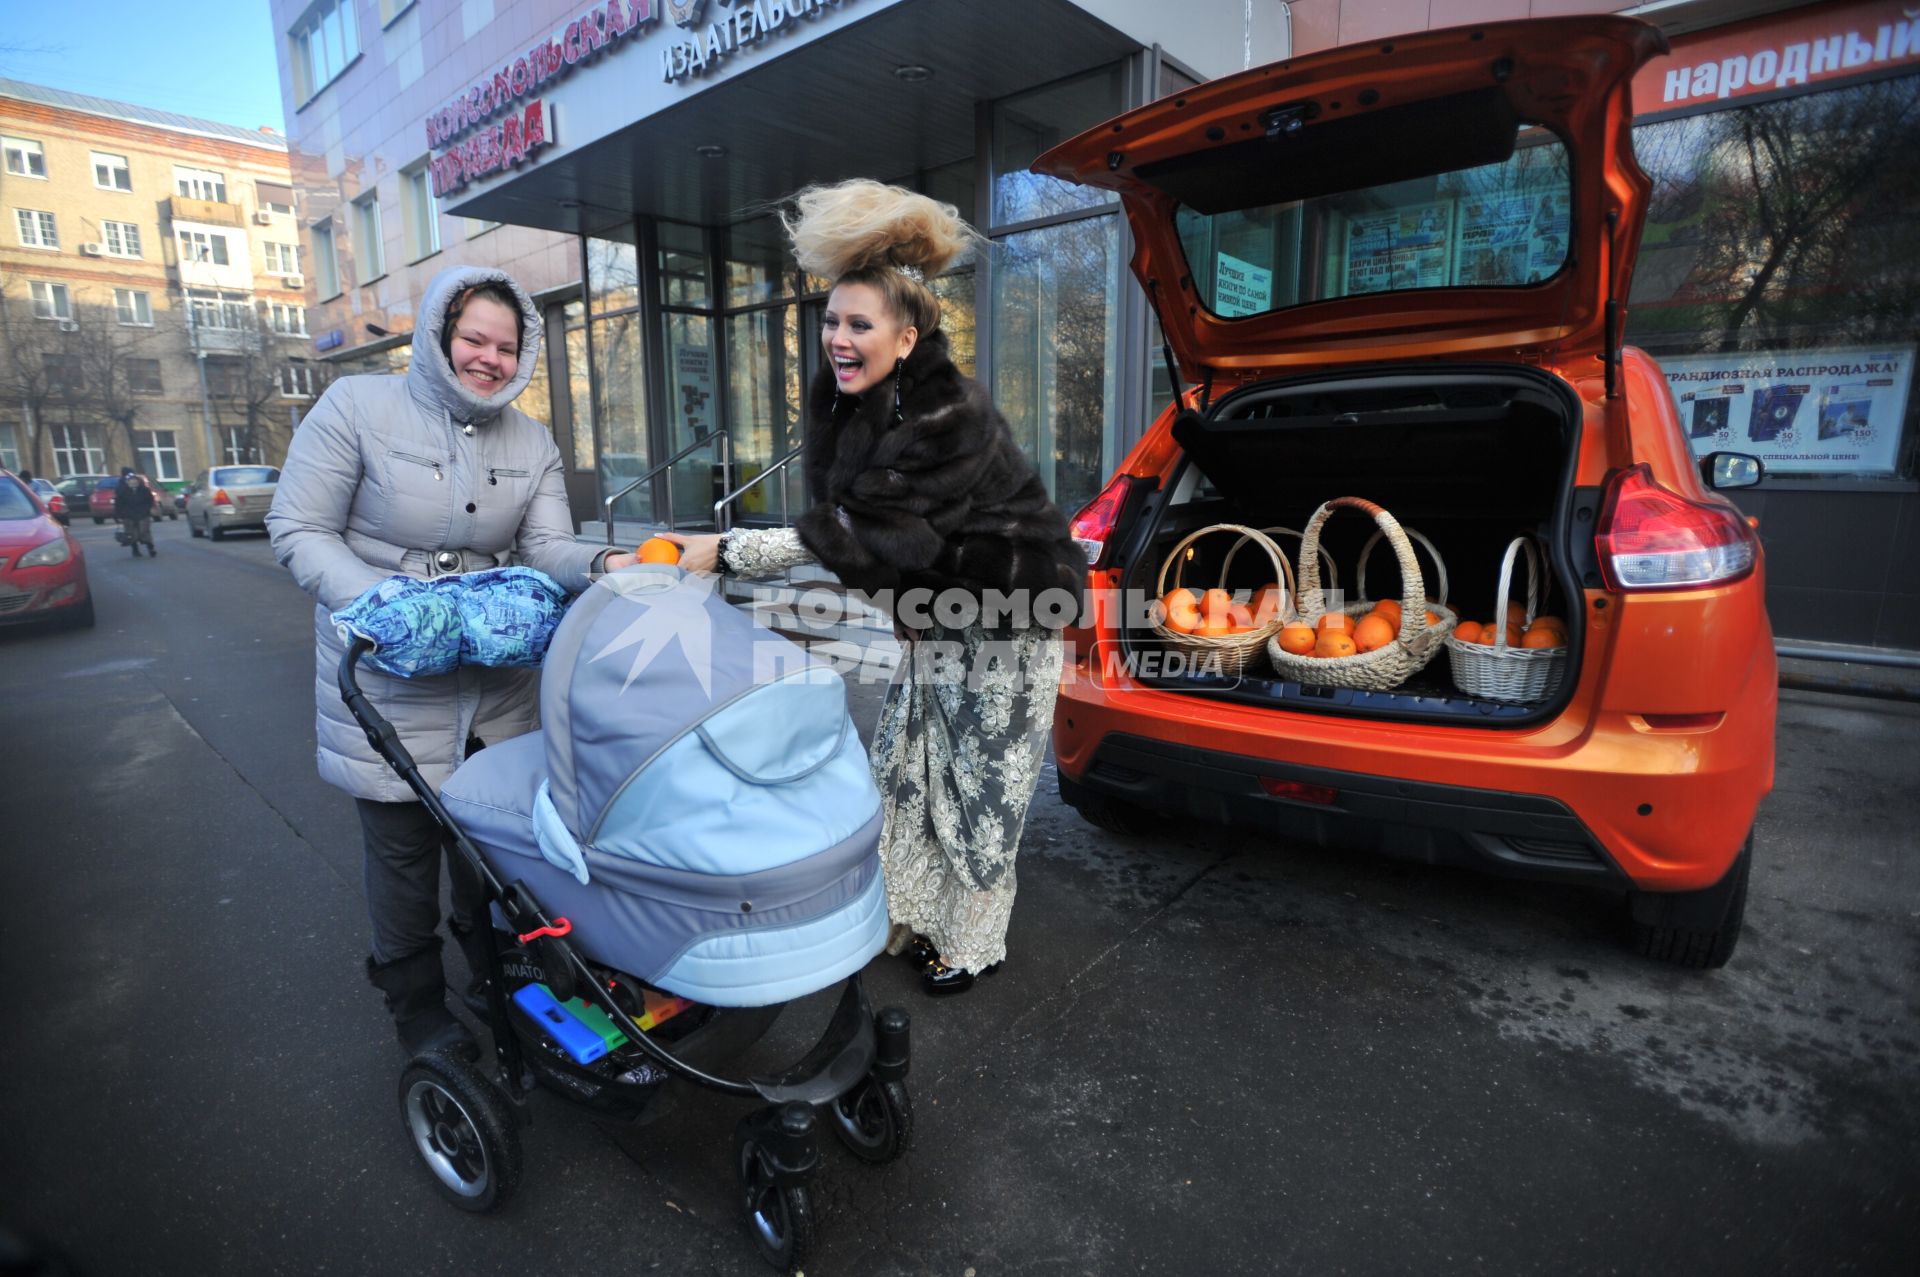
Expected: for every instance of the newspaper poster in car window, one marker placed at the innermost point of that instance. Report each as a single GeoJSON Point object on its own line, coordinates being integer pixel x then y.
{"type": "Point", "coordinates": [1240, 288]}
{"type": "Point", "coordinates": [1398, 248]}
{"type": "Point", "coordinates": [1511, 237]}
{"type": "Point", "coordinates": [1825, 411]}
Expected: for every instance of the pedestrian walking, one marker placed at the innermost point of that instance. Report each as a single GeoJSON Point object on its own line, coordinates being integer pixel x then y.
{"type": "Point", "coordinates": [919, 493]}
{"type": "Point", "coordinates": [423, 474]}
{"type": "Point", "coordinates": [133, 503]}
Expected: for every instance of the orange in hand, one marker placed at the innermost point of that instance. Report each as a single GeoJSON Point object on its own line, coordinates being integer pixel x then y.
{"type": "Point", "coordinates": [658, 550]}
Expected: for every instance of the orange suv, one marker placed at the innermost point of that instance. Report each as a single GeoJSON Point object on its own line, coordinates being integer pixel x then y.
{"type": "Point", "coordinates": [1397, 272]}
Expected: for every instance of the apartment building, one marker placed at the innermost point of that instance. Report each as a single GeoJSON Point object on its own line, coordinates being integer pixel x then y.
{"type": "Point", "coordinates": [151, 289]}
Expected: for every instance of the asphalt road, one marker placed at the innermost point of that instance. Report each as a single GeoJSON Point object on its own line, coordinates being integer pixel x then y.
{"type": "Point", "coordinates": [1210, 1053]}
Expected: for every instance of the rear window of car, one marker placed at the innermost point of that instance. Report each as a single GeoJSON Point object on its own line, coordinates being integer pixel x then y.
{"type": "Point", "coordinates": [102, 484]}
{"type": "Point", "coordinates": [15, 501]}
{"type": "Point", "coordinates": [1499, 224]}
{"type": "Point", "coordinates": [244, 476]}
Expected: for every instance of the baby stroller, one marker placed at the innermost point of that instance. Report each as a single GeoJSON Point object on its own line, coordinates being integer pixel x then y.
{"type": "Point", "coordinates": [689, 842]}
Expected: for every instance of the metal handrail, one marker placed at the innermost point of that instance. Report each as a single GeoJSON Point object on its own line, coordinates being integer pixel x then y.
{"type": "Point", "coordinates": [719, 507]}
{"type": "Point", "coordinates": [725, 441]}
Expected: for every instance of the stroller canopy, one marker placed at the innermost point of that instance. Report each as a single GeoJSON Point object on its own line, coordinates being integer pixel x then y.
{"type": "Point", "coordinates": [697, 801]}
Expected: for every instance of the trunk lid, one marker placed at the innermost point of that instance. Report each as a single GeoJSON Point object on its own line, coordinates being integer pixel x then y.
{"type": "Point", "coordinates": [1463, 192]}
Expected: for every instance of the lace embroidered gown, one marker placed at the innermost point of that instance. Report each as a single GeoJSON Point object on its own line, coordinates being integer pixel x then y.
{"type": "Point", "coordinates": [956, 757]}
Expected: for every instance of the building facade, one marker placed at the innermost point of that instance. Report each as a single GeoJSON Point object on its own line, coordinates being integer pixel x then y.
{"type": "Point", "coordinates": [151, 291]}
{"type": "Point", "coordinates": [622, 159]}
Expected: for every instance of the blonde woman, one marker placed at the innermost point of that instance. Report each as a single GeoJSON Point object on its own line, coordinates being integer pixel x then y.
{"type": "Point", "coordinates": [922, 499]}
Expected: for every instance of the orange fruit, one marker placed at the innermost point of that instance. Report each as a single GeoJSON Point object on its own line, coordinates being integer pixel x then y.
{"type": "Point", "coordinates": [1516, 614]}
{"type": "Point", "coordinates": [1334, 643]}
{"type": "Point", "coordinates": [1433, 618]}
{"type": "Point", "coordinates": [1240, 616]}
{"type": "Point", "coordinates": [1214, 629]}
{"type": "Point", "coordinates": [1215, 605]}
{"type": "Point", "coordinates": [658, 550]}
{"type": "Point", "coordinates": [1549, 623]}
{"type": "Point", "coordinates": [1538, 637]}
{"type": "Point", "coordinates": [1339, 621]}
{"type": "Point", "coordinates": [1467, 631]}
{"type": "Point", "coordinates": [1183, 610]}
{"type": "Point", "coordinates": [1389, 609]}
{"type": "Point", "coordinates": [1374, 631]}
{"type": "Point", "coordinates": [1298, 638]}
{"type": "Point", "coordinates": [1266, 603]}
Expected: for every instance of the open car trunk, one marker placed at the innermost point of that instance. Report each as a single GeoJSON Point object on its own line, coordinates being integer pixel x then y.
{"type": "Point", "coordinates": [1469, 456]}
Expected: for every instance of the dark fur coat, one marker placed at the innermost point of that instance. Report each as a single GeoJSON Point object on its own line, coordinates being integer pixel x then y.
{"type": "Point", "coordinates": [941, 499]}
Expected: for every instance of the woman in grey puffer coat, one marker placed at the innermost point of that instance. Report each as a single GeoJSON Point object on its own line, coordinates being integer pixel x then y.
{"type": "Point", "coordinates": [421, 475]}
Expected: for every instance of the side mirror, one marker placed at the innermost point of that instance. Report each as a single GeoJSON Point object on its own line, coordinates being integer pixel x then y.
{"type": "Point", "coordinates": [1731, 470]}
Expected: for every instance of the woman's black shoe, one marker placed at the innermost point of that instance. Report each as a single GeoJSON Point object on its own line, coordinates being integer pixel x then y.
{"type": "Point", "coordinates": [921, 952]}
{"type": "Point", "coordinates": [939, 979]}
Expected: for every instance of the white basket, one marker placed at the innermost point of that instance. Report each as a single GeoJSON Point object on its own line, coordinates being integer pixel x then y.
{"type": "Point", "coordinates": [1497, 671]}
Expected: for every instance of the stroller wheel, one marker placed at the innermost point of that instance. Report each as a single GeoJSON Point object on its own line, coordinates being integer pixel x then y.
{"type": "Point", "coordinates": [462, 1130]}
{"type": "Point", "coordinates": [874, 1120]}
{"type": "Point", "coordinates": [780, 1216]}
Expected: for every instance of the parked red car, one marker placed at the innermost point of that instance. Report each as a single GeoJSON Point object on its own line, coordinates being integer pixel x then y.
{"type": "Point", "coordinates": [100, 500]}
{"type": "Point", "coordinates": [43, 573]}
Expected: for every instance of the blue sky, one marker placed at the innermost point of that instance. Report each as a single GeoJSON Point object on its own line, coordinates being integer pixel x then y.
{"type": "Point", "coordinates": [209, 58]}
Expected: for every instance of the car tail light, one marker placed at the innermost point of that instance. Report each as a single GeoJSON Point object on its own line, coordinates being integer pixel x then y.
{"type": "Point", "coordinates": [1654, 539]}
{"type": "Point", "coordinates": [1094, 524]}
{"type": "Point", "coordinates": [220, 497]}
{"type": "Point", "coordinates": [56, 504]}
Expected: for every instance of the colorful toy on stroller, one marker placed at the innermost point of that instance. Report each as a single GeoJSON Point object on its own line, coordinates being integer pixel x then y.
{"type": "Point", "coordinates": [689, 842]}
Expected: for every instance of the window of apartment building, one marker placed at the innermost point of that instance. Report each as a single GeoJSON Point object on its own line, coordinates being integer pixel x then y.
{"type": "Point", "coordinates": [63, 373]}
{"type": "Point", "coordinates": [131, 306]}
{"type": "Point", "coordinates": [75, 452]}
{"type": "Point", "coordinates": [296, 381]}
{"type": "Point", "coordinates": [322, 43]}
{"type": "Point", "coordinates": [282, 259]}
{"type": "Point", "coordinates": [143, 376]}
{"type": "Point", "coordinates": [24, 158]}
{"type": "Point", "coordinates": [159, 457]}
{"type": "Point", "coordinates": [422, 212]}
{"type": "Point", "coordinates": [218, 310]}
{"type": "Point", "coordinates": [366, 236]}
{"type": "Point", "coordinates": [275, 198]}
{"type": "Point", "coordinates": [9, 446]}
{"type": "Point", "coordinates": [290, 321]}
{"type": "Point", "coordinates": [240, 449]}
{"type": "Point", "coordinates": [203, 246]}
{"type": "Point", "coordinates": [36, 228]}
{"type": "Point", "coordinates": [200, 184]}
{"type": "Point", "coordinates": [50, 301]}
{"type": "Point", "coordinates": [110, 172]}
{"type": "Point", "coordinates": [326, 262]}
{"type": "Point", "coordinates": [122, 239]}
{"type": "Point", "coordinates": [223, 378]}
{"type": "Point", "coordinates": [391, 9]}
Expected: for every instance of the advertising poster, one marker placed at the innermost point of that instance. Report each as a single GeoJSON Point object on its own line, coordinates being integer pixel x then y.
{"type": "Point", "coordinates": [1399, 248]}
{"type": "Point", "coordinates": [693, 390]}
{"type": "Point", "coordinates": [1511, 237]}
{"type": "Point", "coordinates": [1836, 411]}
{"type": "Point", "coordinates": [1240, 288]}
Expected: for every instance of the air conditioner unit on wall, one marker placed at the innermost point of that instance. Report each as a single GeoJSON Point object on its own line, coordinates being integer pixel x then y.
{"type": "Point", "coordinates": [295, 281]}
{"type": "Point", "coordinates": [262, 218]}
{"type": "Point", "coordinates": [69, 326]}
{"type": "Point", "coordinates": [91, 250]}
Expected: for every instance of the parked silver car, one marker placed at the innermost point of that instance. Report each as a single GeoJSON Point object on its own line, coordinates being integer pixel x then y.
{"type": "Point", "coordinates": [227, 498]}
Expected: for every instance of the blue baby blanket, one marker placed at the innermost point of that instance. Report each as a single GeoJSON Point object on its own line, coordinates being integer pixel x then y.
{"type": "Point", "coordinates": [497, 617]}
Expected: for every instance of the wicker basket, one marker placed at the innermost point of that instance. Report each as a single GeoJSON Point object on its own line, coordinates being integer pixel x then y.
{"type": "Point", "coordinates": [1497, 671]}
{"type": "Point", "coordinates": [1327, 564]}
{"type": "Point", "coordinates": [1385, 667]}
{"type": "Point", "coordinates": [1232, 652]}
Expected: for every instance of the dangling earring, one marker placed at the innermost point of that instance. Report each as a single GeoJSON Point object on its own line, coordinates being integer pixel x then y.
{"type": "Point", "coordinates": [836, 402]}
{"type": "Point", "coordinates": [899, 365]}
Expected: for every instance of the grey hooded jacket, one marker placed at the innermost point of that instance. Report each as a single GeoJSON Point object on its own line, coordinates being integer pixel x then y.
{"type": "Point", "coordinates": [381, 474]}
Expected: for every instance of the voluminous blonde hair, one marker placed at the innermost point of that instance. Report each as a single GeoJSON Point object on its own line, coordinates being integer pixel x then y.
{"type": "Point", "coordinates": [866, 232]}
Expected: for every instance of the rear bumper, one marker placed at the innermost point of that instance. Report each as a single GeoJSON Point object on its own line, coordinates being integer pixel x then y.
{"type": "Point", "coordinates": [1518, 835]}
{"type": "Point", "coordinates": [228, 516]}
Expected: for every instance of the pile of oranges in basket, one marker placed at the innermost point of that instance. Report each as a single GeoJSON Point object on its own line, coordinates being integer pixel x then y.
{"type": "Point", "coordinates": [1215, 613]}
{"type": "Point", "coordinates": [1339, 634]}
{"type": "Point", "coordinates": [1545, 632]}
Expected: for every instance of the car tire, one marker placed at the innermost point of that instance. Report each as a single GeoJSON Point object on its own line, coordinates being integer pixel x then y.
{"type": "Point", "coordinates": [193, 529]}
{"type": "Point", "coordinates": [97, 520]}
{"type": "Point", "coordinates": [79, 618]}
{"type": "Point", "coordinates": [1694, 929]}
{"type": "Point", "coordinates": [213, 533]}
{"type": "Point", "coordinates": [1115, 815]}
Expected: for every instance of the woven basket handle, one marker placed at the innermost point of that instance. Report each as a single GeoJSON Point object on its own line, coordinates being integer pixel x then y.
{"type": "Point", "coordinates": [1326, 560]}
{"type": "Point", "coordinates": [1514, 547]}
{"type": "Point", "coordinates": [1282, 570]}
{"type": "Point", "coordinates": [1439, 564]}
{"type": "Point", "coordinates": [1413, 608]}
